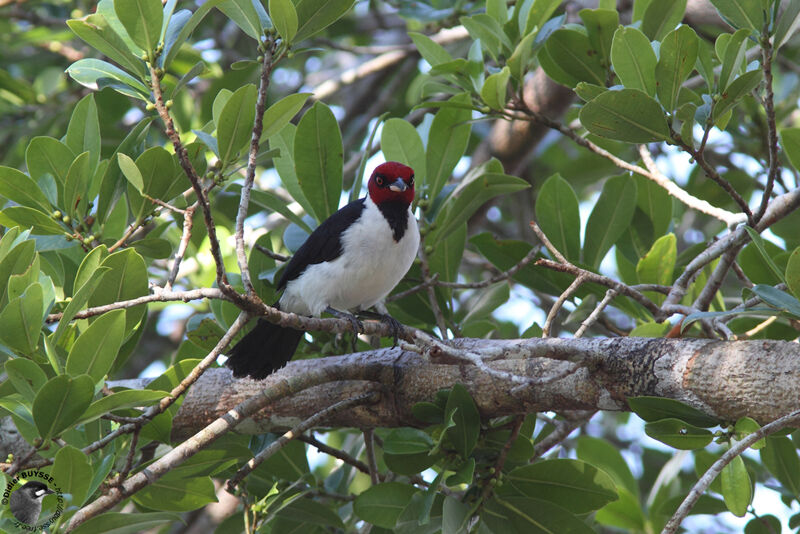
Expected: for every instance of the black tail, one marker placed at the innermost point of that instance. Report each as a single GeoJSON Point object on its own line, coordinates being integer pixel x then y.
{"type": "Point", "coordinates": [264, 350]}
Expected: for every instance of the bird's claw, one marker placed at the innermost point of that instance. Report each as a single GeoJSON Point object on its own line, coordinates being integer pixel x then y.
{"type": "Point", "coordinates": [395, 325]}
{"type": "Point", "coordinates": [355, 323]}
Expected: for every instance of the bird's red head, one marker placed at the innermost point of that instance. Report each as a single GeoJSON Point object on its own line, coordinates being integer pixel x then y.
{"type": "Point", "coordinates": [392, 182]}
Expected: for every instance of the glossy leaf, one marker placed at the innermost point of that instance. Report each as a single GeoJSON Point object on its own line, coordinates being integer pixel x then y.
{"type": "Point", "coordinates": [284, 16]}
{"type": "Point", "coordinates": [634, 60]}
{"type": "Point", "coordinates": [318, 159]}
{"type": "Point", "coordinates": [778, 299]}
{"type": "Point", "coordinates": [382, 504]}
{"type": "Point", "coordinates": [460, 406]}
{"type": "Point", "coordinates": [678, 434]}
{"type": "Point", "coordinates": [662, 17]}
{"type": "Point", "coordinates": [302, 514]}
{"type": "Point", "coordinates": [600, 24]}
{"type": "Point", "coordinates": [126, 280]}
{"type": "Point", "coordinates": [558, 216]}
{"type": "Point", "coordinates": [787, 24]}
{"type": "Point", "coordinates": [245, 15]}
{"type": "Point", "coordinates": [142, 20]}
{"type": "Point", "coordinates": [495, 89]}
{"type": "Point", "coordinates": [677, 57]}
{"type": "Point", "coordinates": [22, 320]}
{"type": "Point", "coordinates": [572, 52]}
{"type": "Point", "coordinates": [736, 488]}
{"type": "Point", "coordinates": [627, 115]}
{"type": "Point", "coordinates": [314, 16]}
{"type": "Point", "coordinates": [522, 515]}
{"type": "Point", "coordinates": [97, 33]}
{"type": "Point", "coordinates": [97, 74]}
{"type": "Point", "coordinates": [121, 400]}
{"type": "Point", "coordinates": [656, 408]}
{"type": "Point", "coordinates": [120, 523]}
{"type": "Point", "coordinates": [177, 36]}
{"type": "Point", "coordinates": [793, 273]}
{"type": "Point", "coordinates": [741, 13]}
{"type": "Point", "coordinates": [781, 459]}
{"type": "Point", "coordinates": [281, 112]}
{"type": "Point", "coordinates": [60, 403]}
{"type": "Point", "coordinates": [401, 142]}
{"type": "Point", "coordinates": [405, 440]}
{"type": "Point", "coordinates": [610, 217]}
{"type": "Point", "coordinates": [602, 454]}
{"type": "Point", "coordinates": [73, 472]}
{"type": "Point", "coordinates": [96, 348]}
{"type": "Point", "coordinates": [744, 427]}
{"type": "Point", "coordinates": [447, 141]}
{"type": "Point", "coordinates": [741, 86]}
{"type": "Point", "coordinates": [431, 51]}
{"type": "Point", "coordinates": [733, 58]}
{"type": "Point", "coordinates": [174, 493]}
{"type": "Point", "coordinates": [235, 123]}
{"type": "Point", "coordinates": [20, 188]}
{"type": "Point", "coordinates": [26, 376]}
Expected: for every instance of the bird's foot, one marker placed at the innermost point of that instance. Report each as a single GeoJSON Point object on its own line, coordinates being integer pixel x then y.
{"type": "Point", "coordinates": [393, 323]}
{"type": "Point", "coordinates": [357, 325]}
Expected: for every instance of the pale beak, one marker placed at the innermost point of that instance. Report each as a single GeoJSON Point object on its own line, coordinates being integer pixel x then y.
{"type": "Point", "coordinates": [398, 186]}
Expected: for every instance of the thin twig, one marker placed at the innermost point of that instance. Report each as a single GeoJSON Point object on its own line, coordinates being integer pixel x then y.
{"type": "Point", "coordinates": [546, 242]}
{"type": "Point", "coordinates": [772, 129]}
{"type": "Point", "coordinates": [434, 302]}
{"type": "Point", "coordinates": [267, 252]}
{"type": "Point", "coordinates": [551, 315]}
{"type": "Point", "coordinates": [188, 223]}
{"type": "Point", "coordinates": [295, 432]}
{"type": "Point", "coordinates": [589, 321]}
{"type": "Point", "coordinates": [336, 453]}
{"type": "Point", "coordinates": [562, 431]}
{"type": "Point", "coordinates": [372, 461]}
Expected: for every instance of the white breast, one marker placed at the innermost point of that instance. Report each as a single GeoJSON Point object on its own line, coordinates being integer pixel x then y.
{"type": "Point", "coordinates": [371, 265]}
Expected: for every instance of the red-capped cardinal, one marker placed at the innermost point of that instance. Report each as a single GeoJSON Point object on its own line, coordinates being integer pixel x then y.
{"type": "Point", "coordinates": [350, 262]}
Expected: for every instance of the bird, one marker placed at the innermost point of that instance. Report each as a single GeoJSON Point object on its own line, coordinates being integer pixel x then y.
{"type": "Point", "coordinates": [26, 502]}
{"type": "Point", "coordinates": [351, 261]}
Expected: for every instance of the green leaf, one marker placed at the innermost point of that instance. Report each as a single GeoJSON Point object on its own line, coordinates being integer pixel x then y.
{"type": "Point", "coordinates": [175, 493]}
{"type": "Point", "coordinates": [119, 523]}
{"type": "Point", "coordinates": [26, 377]}
{"type": "Point", "coordinates": [790, 142]}
{"type": "Point", "coordinates": [126, 280]}
{"type": "Point", "coordinates": [318, 156]}
{"type": "Point", "coordinates": [662, 17]}
{"type": "Point", "coordinates": [777, 298]}
{"type": "Point", "coordinates": [760, 245]}
{"type": "Point", "coordinates": [142, 20]}
{"type": "Point", "coordinates": [576, 59]}
{"type": "Point", "coordinates": [447, 141]}
{"type": "Point", "coordinates": [83, 131]}
{"type": "Point", "coordinates": [520, 60]}
{"type": "Point", "coordinates": [382, 504]}
{"type": "Point", "coordinates": [677, 57]}
{"type": "Point", "coordinates": [271, 202]}
{"type": "Point", "coordinates": [733, 58]}
{"type": "Point", "coordinates": [486, 302]}
{"type": "Point", "coordinates": [522, 515]}
{"type": "Point", "coordinates": [455, 516]}
{"type": "Point", "coordinates": [400, 142]}
{"type": "Point", "coordinates": [73, 473]}
{"type": "Point", "coordinates": [122, 400]}
{"type": "Point", "coordinates": [431, 51]}
{"type": "Point", "coordinates": [491, 35]}
{"type": "Point", "coordinates": [284, 16]}
{"type": "Point", "coordinates": [634, 60]}
{"type": "Point", "coordinates": [736, 488]}
{"type": "Point", "coordinates": [289, 463]}
{"type": "Point", "coordinates": [602, 454]}
{"type": "Point", "coordinates": [177, 37]}
{"type": "Point", "coordinates": [787, 24]}
{"type": "Point", "coordinates": [38, 222]}
{"type": "Point", "coordinates": [741, 86]}
{"type": "Point", "coordinates": [300, 514]}
{"type": "Point", "coordinates": [653, 409]}
{"type": "Point", "coordinates": [558, 216]}
{"type": "Point", "coordinates": [678, 434]}
{"type": "Point", "coordinates": [766, 524]}
{"type": "Point", "coordinates": [535, 14]}
{"type": "Point", "coordinates": [601, 25]}
{"type": "Point", "coordinates": [235, 124]}
{"type": "Point", "coordinates": [314, 16]}
{"type": "Point", "coordinates": [793, 272]}
{"type": "Point", "coordinates": [610, 217]}
{"type": "Point", "coordinates": [97, 74]}
{"type": "Point", "coordinates": [744, 427]}
{"type": "Point", "coordinates": [627, 115]}
{"type": "Point", "coordinates": [281, 112]}
{"type": "Point", "coordinates": [657, 265]}
{"type": "Point", "coordinates": [77, 184]}
{"type": "Point", "coordinates": [97, 33]}
{"type": "Point", "coordinates": [781, 459]}
{"type": "Point", "coordinates": [60, 403]}
{"type": "Point", "coordinates": [741, 13]}
{"type": "Point", "coordinates": [464, 435]}
{"type": "Point", "coordinates": [248, 15]}
{"type": "Point", "coordinates": [22, 320]}
{"type": "Point", "coordinates": [495, 89]}
{"type": "Point", "coordinates": [572, 484]}
{"type": "Point", "coordinates": [20, 188]}
{"type": "Point", "coordinates": [284, 164]}
{"type": "Point", "coordinates": [96, 348]}
{"type": "Point", "coordinates": [47, 156]}
{"type": "Point", "coordinates": [625, 513]}
{"type": "Point", "coordinates": [405, 440]}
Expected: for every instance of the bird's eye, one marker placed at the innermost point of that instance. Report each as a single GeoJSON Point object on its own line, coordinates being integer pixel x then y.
{"type": "Point", "coordinates": [379, 180]}
{"type": "Point", "coordinates": [411, 180]}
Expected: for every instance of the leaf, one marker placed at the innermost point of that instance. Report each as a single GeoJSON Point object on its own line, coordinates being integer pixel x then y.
{"type": "Point", "coordinates": [662, 17]}
{"type": "Point", "coordinates": [174, 493]}
{"type": "Point", "coordinates": [447, 140]}
{"type": "Point", "coordinates": [235, 124]}
{"type": "Point", "coordinates": [781, 459]}
{"type": "Point", "coordinates": [464, 434]}
{"type": "Point", "coordinates": [657, 265]}
{"type": "Point", "coordinates": [20, 188]}
{"type": "Point", "coordinates": [97, 74]}
{"type": "Point", "coordinates": [284, 16]}
{"type": "Point", "coordinates": [576, 59]}
{"type": "Point", "coordinates": [26, 376]}
{"type": "Point", "coordinates": [733, 58]}
{"type": "Point", "coordinates": [741, 13]}
{"type": "Point", "coordinates": [96, 348]}
{"type": "Point", "coordinates": [487, 301]}
{"type": "Point", "coordinates": [653, 409]}
{"type": "Point", "coordinates": [787, 24]}
{"type": "Point", "coordinates": [400, 142]}
{"type": "Point", "coordinates": [314, 16]}
{"type": "Point", "coordinates": [248, 15]}
{"type": "Point", "coordinates": [174, 41]}
{"type": "Point", "coordinates": [300, 514]}
{"type": "Point", "coordinates": [38, 222]}
{"type": "Point", "coordinates": [744, 427]}
{"type": "Point", "coordinates": [627, 115]}
{"type": "Point", "coordinates": [97, 33]}
{"type": "Point", "coordinates": [736, 488]}
{"type": "Point", "coordinates": [48, 156]}
{"type": "Point", "coordinates": [495, 89]}
{"type": "Point", "coordinates": [678, 434]}
{"type": "Point", "coordinates": [558, 216]}
{"type": "Point", "coordinates": [634, 60]}
{"type": "Point", "coordinates": [405, 440]}
{"type": "Point", "coordinates": [121, 400]}
{"type": "Point", "coordinates": [271, 202]}
{"type": "Point", "coordinates": [790, 142]}
{"type": "Point", "coordinates": [281, 112]}
{"type": "Point", "coordinates": [60, 403]}
{"type": "Point", "coordinates": [793, 272]}
{"type": "Point", "coordinates": [491, 35]}
{"type": "Point", "coordinates": [677, 57]}
{"type": "Point", "coordinates": [601, 25]}
{"type": "Point", "coordinates": [119, 523]}
{"type": "Point", "coordinates": [777, 298]}
{"type": "Point", "coordinates": [126, 280]}
{"type": "Point", "coordinates": [522, 515]}
{"type": "Point", "coordinates": [318, 156]}
{"type": "Point", "coordinates": [603, 455]}
{"type": "Point", "coordinates": [572, 484]}
{"type": "Point", "coordinates": [610, 217]}
{"type": "Point", "coordinates": [73, 473]}
{"type": "Point", "coordinates": [77, 184]}
{"type": "Point", "coordinates": [382, 504]}
{"type": "Point", "coordinates": [759, 243]}
{"type": "Point", "coordinates": [741, 86]}
{"type": "Point", "coordinates": [431, 51]}
{"type": "Point", "coordinates": [22, 320]}
{"type": "Point", "coordinates": [142, 20]}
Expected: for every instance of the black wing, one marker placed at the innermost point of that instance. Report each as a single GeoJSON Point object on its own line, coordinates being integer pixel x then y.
{"type": "Point", "coordinates": [324, 243]}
